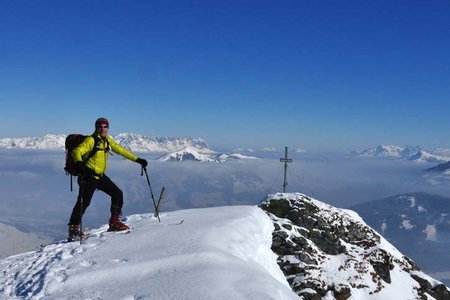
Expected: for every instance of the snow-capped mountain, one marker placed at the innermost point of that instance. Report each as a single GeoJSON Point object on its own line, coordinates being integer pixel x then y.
{"type": "Point", "coordinates": [132, 141]}
{"type": "Point", "coordinates": [192, 154]}
{"type": "Point", "coordinates": [293, 246]}
{"type": "Point", "coordinates": [140, 143]}
{"type": "Point", "coordinates": [389, 151]}
{"type": "Point", "coordinates": [417, 223]}
{"type": "Point", "coordinates": [47, 142]}
{"type": "Point", "coordinates": [331, 253]}
{"type": "Point", "coordinates": [414, 153]}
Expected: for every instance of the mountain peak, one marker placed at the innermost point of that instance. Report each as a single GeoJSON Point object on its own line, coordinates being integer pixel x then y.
{"type": "Point", "coordinates": [413, 153]}
{"type": "Point", "coordinates": [203, 155]}
{"type": "Point", "coordinates": [330, 252]}
{"type": "Point", "coordinates": [133, 141]}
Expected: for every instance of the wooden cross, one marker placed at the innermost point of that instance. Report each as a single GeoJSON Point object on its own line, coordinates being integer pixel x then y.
{"type": "Point", "coordinates": [286, 160]}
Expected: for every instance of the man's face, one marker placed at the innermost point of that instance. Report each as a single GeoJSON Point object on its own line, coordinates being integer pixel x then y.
{"type": "Point", "coordinates": [102, 130]}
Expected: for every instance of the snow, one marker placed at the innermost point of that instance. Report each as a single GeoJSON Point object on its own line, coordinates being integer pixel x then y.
{"type": "Point", "coordinates": [134, 142]}
{"type": "Point", "coordinates": [353, 269]}
{"type": "Point", "coordinates": [442, 152]}
{"type": "Point", "coordinates": [413, 153]}
{"type": "Point", "coordinates": [177, 149]}
{"type": "Point", "coordinates": [431, 232]}
{"type": "Point", "coordinates": [407, 224]}
{"type": "Point", "coordinates": [420, 209]}
{"type": "Point", "coordinates": [192, 154]}
{"type": "Point", "coordinates": [384, 226]}
{"type": "Point", "coordinates": [216, 253]}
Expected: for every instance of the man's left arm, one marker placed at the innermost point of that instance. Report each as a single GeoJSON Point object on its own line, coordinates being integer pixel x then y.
{"type": "Point", "coordinates": [116, 148]}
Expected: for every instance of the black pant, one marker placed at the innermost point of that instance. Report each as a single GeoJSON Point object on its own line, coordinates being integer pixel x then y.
{"type": "Point", "coordinates": [88, 188]}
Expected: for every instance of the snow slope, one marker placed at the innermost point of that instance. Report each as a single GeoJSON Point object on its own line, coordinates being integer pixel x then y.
{"type": "Point", "coordinates": [216, 253]}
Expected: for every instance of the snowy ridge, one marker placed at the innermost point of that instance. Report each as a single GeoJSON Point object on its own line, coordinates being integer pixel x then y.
{"type": "Point", "coordinates": [132, 141]}
{"type": "Point", "coordinates": [217, 253]}
{"type": "Point", "coordinates": [192, 154]}
{"type": "Point", "coordinates": [331, 253]}
{"type": "Point", "coordinates": [407, 153]}
{"type": "Point", "coordinates": [140, 143]}
{"type": "Point", "coordinates": [47, 142]}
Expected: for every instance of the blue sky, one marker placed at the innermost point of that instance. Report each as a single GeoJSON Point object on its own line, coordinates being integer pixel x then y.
{"type": "Point", "coordinates": [311, 74]}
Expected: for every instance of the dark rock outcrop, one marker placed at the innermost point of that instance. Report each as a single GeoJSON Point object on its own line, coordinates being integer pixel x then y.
{"type": "Point", "coordinates": [329, 252]}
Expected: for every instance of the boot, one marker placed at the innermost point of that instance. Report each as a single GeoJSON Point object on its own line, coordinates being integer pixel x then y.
{"type": "Point", "coordinates": [74, 233]}
{"type": "Point", "coordinates": [116, 225]}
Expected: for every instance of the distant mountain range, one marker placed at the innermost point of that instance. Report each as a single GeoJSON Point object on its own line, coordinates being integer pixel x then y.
{"type": "Point", "coordinates": [132, 141]}
{"type": "Point", "coordinates": [416, 223]}
{"type": "Point", "coordinates": [177, 149]}
{"type": "Point", "coordinates": [190, 153]}
{"type": "Point", "coordinates": [413, 153]}
{"type": "Point", "coordinates": [47, 142]}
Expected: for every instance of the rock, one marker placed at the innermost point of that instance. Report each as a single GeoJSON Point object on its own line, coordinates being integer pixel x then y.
{"type": "Point", "coordinates": [327, 252]}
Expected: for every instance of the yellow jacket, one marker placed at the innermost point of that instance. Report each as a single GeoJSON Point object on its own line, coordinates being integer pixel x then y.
{"type": "Point", "coordinates": [99, 161]}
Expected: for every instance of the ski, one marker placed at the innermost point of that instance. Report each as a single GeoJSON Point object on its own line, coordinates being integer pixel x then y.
{"type": "Point", "coordinates": [178, 223]}
{"type": "Point", "coordinates": [121, 231]}
{"type": "Point", "coordinates": [65, 241]}
{"type": "Point", "coordinates": [78, 239]}
{"type": "Point", "coordinates": [85, 237]}
{"type": "Point", "coordinates": [170, 224]}
{"type": "Point", "coordinates": [109, 233]}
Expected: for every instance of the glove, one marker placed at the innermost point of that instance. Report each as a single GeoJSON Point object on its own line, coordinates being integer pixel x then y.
{"type": "Point", "coordinates": [81, 168]}
{"type": "Point", "coordinates": [142, 162]}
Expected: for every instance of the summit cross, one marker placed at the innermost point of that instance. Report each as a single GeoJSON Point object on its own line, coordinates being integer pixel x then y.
{"type": "Point", "coordinates": [286, 160]}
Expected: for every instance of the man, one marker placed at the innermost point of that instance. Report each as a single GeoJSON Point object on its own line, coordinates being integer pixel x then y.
{"type": "Point", "coordinates": [91, 165]}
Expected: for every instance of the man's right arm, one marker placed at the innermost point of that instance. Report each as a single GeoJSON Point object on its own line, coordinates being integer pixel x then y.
{"type": "Point", "coordinates": [84, 147]}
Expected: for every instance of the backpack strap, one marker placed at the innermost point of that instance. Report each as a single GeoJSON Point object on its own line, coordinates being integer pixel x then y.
{"type": "Point", "coordinates": [95, 149]}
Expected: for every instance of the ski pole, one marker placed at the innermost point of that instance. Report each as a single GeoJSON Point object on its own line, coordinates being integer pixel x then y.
{"type": "Point", "coordinates": [151, 191]}
{"type": "Point", "coordinates": [80, 195]}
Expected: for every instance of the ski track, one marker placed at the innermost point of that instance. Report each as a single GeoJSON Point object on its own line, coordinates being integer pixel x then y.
{"type": "Point", "coordinates": [31, 281]}
{"type": "Point", "coordinates": [33, 278]}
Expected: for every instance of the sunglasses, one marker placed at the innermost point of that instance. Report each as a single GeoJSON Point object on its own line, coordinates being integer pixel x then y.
{"type": "Point", "coordinates": [103, 126]}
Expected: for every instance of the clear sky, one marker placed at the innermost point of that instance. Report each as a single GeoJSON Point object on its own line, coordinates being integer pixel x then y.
{"type": "Point", "coordinates": [241, 73]}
